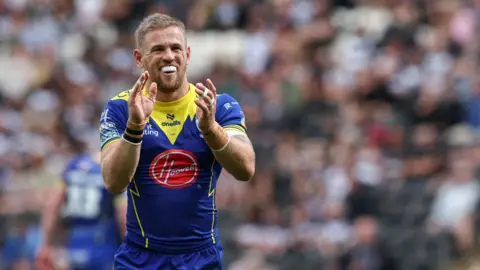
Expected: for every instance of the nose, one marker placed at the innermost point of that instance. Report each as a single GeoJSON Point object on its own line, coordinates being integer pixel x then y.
{"type": "Point", "coordinates": [168, 56]}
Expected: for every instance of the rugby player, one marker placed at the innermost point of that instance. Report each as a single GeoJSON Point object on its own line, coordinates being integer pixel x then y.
{"type": "Point", "coordinates": [166, 141]}
{"type": "Point", "coordinates": [93, 217]}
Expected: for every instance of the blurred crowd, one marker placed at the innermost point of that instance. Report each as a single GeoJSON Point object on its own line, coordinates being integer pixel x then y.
{"type": "Point", "coordinates": [365, 116]}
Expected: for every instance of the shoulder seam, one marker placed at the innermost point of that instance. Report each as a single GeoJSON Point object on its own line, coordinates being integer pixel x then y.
{"type": "Point", "coordinates": [123, 95]}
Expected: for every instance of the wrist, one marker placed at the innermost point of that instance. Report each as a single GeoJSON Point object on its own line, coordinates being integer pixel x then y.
{"type": "Point", "coordinates": [216, 137]}
{"type": "Point", "coordinates": [135, 125]}
{"type": "Point", "coordinates": [133, 133]}
{"type": "Point", "coordinates": [132, 139]}
{"type": "Point", "coordinates": [210, 130]}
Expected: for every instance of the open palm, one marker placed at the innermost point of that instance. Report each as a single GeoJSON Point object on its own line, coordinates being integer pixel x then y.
{"type": "Point", "coordinates": [206, 105]}
{"type": "Point", "coordinates": [140, 106]}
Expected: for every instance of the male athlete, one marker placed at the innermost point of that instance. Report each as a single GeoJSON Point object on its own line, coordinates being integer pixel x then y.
{"type": "Point", "coordinates": [165, 141]}
{"type": "Point", "coordinates": [94, 218]}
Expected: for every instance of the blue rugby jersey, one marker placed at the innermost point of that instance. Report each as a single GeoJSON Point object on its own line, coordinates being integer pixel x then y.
{"type": "Point", "coordinates": [89, 208]}
{"type": "Point", "coordinates": [171, 205]}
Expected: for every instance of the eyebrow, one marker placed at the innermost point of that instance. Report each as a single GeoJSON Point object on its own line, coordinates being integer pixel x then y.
{"type": "Point", "coordinates": [172, 44]}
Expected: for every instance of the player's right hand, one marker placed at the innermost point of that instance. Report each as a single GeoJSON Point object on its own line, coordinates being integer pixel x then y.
{"type": "Point", "coordinates": [140, 106]}
{"type": "Point", "coordinates": [44, 260]}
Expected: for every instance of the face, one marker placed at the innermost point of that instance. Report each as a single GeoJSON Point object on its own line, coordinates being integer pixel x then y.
{"type": "Point", "coordinates": [165, 55]}
{"type": "Point", "coordinates": [463, 170]}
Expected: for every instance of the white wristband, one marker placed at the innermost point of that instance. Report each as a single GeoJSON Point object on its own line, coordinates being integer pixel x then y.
{"type": "Point", "coordinates": [225, 146]}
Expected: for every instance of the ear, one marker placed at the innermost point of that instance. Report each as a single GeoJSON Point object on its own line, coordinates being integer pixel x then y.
{"type": "Point", "coordinates": [188, 55]}
{"type": "Point", "coordinates": [138, 58]}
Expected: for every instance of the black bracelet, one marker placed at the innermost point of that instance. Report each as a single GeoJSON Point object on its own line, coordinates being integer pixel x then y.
{"type": "Point", "coordinates": [131, 139]}
{"type": "Point", "coordinates": [134, 131]}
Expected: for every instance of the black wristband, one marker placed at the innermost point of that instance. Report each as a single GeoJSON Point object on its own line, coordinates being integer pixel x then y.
{"type": "Point", "coordinates": [131, 139]}
{"type": "Point", "coordinates": [134, 131]}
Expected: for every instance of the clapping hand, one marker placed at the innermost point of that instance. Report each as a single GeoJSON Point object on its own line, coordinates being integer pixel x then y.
{"type": "Point", "coordinates": [206, 105]}
{"type": "Point", "coordinates": [140, 106]}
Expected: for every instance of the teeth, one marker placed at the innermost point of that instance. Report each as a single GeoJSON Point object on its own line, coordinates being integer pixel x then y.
{"type": "Point", "coordinates": [169, 69]}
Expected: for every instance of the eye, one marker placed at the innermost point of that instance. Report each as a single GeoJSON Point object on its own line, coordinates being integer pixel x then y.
{"type": "Point", "coordinates": [176, 48]}
{"type": "Point", "coordinates": [157, 49]}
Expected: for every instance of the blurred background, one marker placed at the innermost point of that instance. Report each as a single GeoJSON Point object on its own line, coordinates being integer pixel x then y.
{"type": "Point", "coordinates": [365, 116]}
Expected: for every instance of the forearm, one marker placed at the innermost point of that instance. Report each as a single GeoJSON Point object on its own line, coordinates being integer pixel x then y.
{"type": "Point", "coordinates": [238, 157]}
{"type": "Point", "coordinates": [49, 221]}
{"type": "Point", "coordinates": [50, 214]}
{"type": "Point", "coordinates": [120, 160]}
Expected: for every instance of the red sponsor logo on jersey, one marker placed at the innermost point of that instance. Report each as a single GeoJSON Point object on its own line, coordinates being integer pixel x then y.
{"type": "Point", "coordinates": [174, 169]}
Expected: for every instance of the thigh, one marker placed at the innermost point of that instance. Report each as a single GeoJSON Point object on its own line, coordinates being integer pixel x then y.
{"type": "Point", "coordinates": [207, 259]}
{"type": "Point", "coordinates": [131, 258]}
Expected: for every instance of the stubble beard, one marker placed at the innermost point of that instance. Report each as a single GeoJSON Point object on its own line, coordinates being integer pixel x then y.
{"type": "Point", "coordinates": [171, 86]}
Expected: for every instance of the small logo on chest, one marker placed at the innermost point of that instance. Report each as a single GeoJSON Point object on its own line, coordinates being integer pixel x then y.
{"type": "Point", "coordinates": [171, 124]}
{"type": "Point", "coordinates": [170, 116]}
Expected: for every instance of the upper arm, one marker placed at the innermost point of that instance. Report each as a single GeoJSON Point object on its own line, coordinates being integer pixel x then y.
{"type": "Point", "coordinates": [230, 115]}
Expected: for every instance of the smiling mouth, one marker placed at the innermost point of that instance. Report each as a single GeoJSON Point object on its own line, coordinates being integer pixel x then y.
{"type": "Point", "coordinates": [169, 69]}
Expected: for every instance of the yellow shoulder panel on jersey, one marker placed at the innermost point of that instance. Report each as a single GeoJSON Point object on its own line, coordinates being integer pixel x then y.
{"type": "Point", "coordinates": [123, 95]}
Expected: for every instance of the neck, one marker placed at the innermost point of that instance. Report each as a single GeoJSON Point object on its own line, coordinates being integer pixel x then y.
{"type": "Point", "coordinates": [171, 96]}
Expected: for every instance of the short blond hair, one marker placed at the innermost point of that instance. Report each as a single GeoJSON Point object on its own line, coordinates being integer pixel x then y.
{"type": "Point", "coordinates": [153, 22]}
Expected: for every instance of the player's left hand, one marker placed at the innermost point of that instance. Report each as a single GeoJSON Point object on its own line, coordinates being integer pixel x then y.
{"type": "Point", "coordinates": [206, 105]}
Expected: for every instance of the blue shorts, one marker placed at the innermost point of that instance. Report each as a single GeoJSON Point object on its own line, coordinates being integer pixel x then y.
{"type": "Point", "coordinates": [85, 253]}
{"type": "Point", "coordinates": [98, 258]}
{"type": "Point", "coordinates": [129, 257]}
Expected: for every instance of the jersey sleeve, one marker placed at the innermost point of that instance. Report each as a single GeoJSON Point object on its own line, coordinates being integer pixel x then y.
{"type": "Point", "coordinates": [112, 122]}
{"type": "Point", "coordinates": [230, 115]}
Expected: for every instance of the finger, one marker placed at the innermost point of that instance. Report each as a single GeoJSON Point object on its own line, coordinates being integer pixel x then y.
{"type": "Point", "coordinates": [141, 81]}
{"type": "Point", "coordinates": [139, 85]}
{"type": "Point", "coordinates": [213, 90]}
{"type": "Point", "coordinates": [152, 91]}
{"type": "Point", "coordinates": [202, 89]}
{"type": "Point", "coordinates": [208, 99]}
{"type": "Point", "coordinates": [212, 87]}
{"type": "Point", "coordinates": [147, 76]}
{"type": "Point", "coordinates": [201, 104]}
{"type": "Point", "coordinates": [200, 86]}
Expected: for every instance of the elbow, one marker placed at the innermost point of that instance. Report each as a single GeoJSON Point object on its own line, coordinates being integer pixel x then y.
{"type": "Point", "coordinates": [112, 182]}
{"type": "Point", "coordinates": [246, 174]}
{"type": "Point", "coordinates": [112, 186]}
{"type": "Point", "coordinates": [115, 189]}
